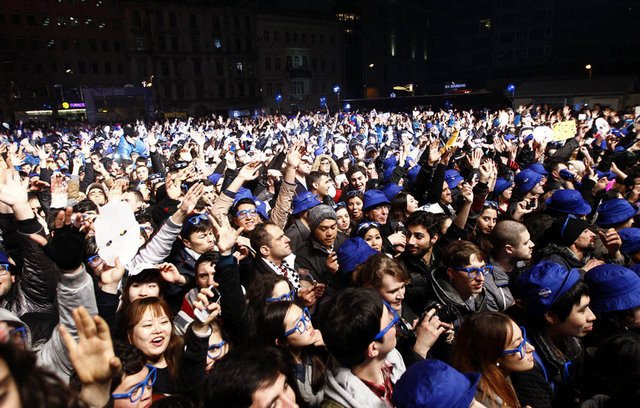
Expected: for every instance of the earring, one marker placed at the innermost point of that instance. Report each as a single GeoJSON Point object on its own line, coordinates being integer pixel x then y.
{"type": "Point", "coordinates": [498, 364]}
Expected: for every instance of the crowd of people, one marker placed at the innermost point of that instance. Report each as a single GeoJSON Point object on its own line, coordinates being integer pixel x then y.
{"type": "Point", "coordinates": [427, 258]}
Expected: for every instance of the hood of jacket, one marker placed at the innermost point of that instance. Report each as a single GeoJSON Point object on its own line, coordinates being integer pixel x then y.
{"type": "Point", "coordinates": [348, 390]}
{"type": "Point", "coordinates": [551, 250]}
{"type": "Point", "coordinates": [13, 320]}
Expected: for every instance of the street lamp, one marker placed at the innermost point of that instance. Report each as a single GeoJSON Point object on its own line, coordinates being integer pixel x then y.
{"type": "Point", "coordinates": [588, 68]}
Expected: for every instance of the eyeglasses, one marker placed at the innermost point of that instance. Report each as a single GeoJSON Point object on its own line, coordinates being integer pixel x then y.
{"type": "Point", "coordinates": [147, 228]}
{"type": "Point", "coordinates": [491, 204]}
{"type": "Point", "coordinates": [215, 350]}
{"type": "Point", "coordinates": [301, 324]}
{"type": "Point", "coordinates": [338, 205]}
{"type": "Point", "coordinates": [474, 272]}
{"type": "Point", "coordinates": [18, 336]}
{"type": "Point", "coordinates": [366, 225]}
{"type": "Point", "coordinates": [136, 392]}
{"type": "Point", "coordinates": [283, 298]}
{"type": "Point", "coordinates": [355, 193]}
{"type": "Point", "coordinates": [180, 165]}
{"type": "Point", "coordinates": [195, 220]}
{"type": "Point", "coordinates": [4, 269]}
{"type": "Point", "coordinates": [246, 213]}
{"type": "Point", "coordinates": [522, 348]}
{"type": "Point", "coordinates": [393, 321]}
{"type": "Point", "coordinates": [94, 261]}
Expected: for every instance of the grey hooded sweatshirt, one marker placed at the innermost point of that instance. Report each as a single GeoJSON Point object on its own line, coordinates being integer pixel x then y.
{"type": "Point", "coordinates": [74, 290]}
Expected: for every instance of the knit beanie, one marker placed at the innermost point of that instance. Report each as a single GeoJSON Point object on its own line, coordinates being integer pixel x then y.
{"type": "Point", "coordinates": [319, 213]}
{"type": "Point", "coordinates": [569, 229]}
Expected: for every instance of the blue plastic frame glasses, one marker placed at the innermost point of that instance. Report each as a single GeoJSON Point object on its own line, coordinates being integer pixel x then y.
{"type": "Point", "coordinates": [195, 220]}
{"type": "Point", "coordinates": [474, 272]}
{"type": "Point", "coordinates": [287, 296]}
{"type": "Point", "coordinates": [136, 392]}
{"type": "Point", "coordinates": [522, 348]}
{"type": "Point", "coordinates": [217, 347]}
{"type": "Point", "coordinates": [18, 335]}
{"type": "Point", "coordinates": [370, 224]}
{"type": "Point", "coordinates": [245, 213]}
{"type": "Point", "coordinates": [393, 322]}
{"type": "Point", "coordinates": [301, 324]}
{"type": "Point", "coordinates": [4, 269]}
{"type": "Point", "coordinates": [95, 260]}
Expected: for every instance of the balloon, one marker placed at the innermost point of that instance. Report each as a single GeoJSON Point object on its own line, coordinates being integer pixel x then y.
{"type": "Point", "coordinates": [511, 88]}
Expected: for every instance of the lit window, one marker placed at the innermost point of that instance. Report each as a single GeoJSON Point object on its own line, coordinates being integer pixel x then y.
{"type": "Point", "coordinates": [217, 43]}
{"type": "Point", "coordinates": [239, 66]}
{"type": "Point", "coordinates": [46, 20]}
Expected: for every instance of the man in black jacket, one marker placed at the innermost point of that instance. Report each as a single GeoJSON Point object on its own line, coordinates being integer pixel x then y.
{"type": "Point", "coordinates": [418, 258]}
{"type": "Point", "coordinates": [319, 254]}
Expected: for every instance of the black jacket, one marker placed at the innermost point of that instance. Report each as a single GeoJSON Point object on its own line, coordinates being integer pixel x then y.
{"type": "Point", "coordinates": [313, 257]}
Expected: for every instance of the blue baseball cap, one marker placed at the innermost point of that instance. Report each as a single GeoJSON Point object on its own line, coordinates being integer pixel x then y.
{"type": "Point", "coordinates": [354, 252]}
{"type": "Point", "coordinates": [615, 211]}
{"type": "Point", "coordinates": [568, 202]}
{"type": "Point", "coordinates": [374, 198]}
{"type": "Point", "coordinates": [453, 178]}
{"type": "Point", "coordinates": [630, 240]}
{"type": "Point", "coordinates": [304, 202]}
{"type": "Point", "coordinates": [538, 168]}
{"type": "Point", "coordinates": [434, 384]}
{"type": "Point", "coordinates": [543, 284]}
{"type": "Point", "coordinates": [527, 180]}
{"type": "Point", "coordinates": [613, 287]}
{"type": "Point", "coordinates": [501, 185]}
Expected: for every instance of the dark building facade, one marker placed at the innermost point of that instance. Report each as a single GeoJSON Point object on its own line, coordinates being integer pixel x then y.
{"type": "Point", "coordinates": [48, 49]}
{"type": "Point", "coordinates": [386, 45]}
{"type": "Point", "coordinates": [490, 43]}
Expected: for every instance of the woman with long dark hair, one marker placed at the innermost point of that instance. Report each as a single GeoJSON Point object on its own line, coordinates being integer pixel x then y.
{"type": "Point", "coordinates": [493, 345]}
{"type": "Point", "coordinates": [287, 326]}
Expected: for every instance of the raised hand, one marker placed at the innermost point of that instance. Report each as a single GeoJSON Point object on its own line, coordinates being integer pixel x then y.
{"type": "Point", "coordinates": [202, 303]}
{"type": "Point", "coordinates": [611, 241]}
{"type": "Point", "coordinates": [294, 155]}
{"type": "Point", "coordinates": [226, 236]}
{"type": "Point", "coordinates": [250, 171]}
{"type": "Point", "coordinates": [475, 158]}
{"type": "Point", "coordinates": [92, 355]}
{"type": "Point", "coordinates": [170, 273]}
{"type": "Point", "coordinates": [434, 152]}
{"type": "Point", "coordinates": [112, 274]}
{"type": "Point", "coordinates": [467, 193]}
{"type": "Point", "coordinates": [12, 189]}
{"type": "Point", "coordinates": [190, 200]}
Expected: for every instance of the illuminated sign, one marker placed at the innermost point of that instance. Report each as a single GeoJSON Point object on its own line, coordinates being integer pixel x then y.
{"type": "Point", "coordinates": [453, 85]}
